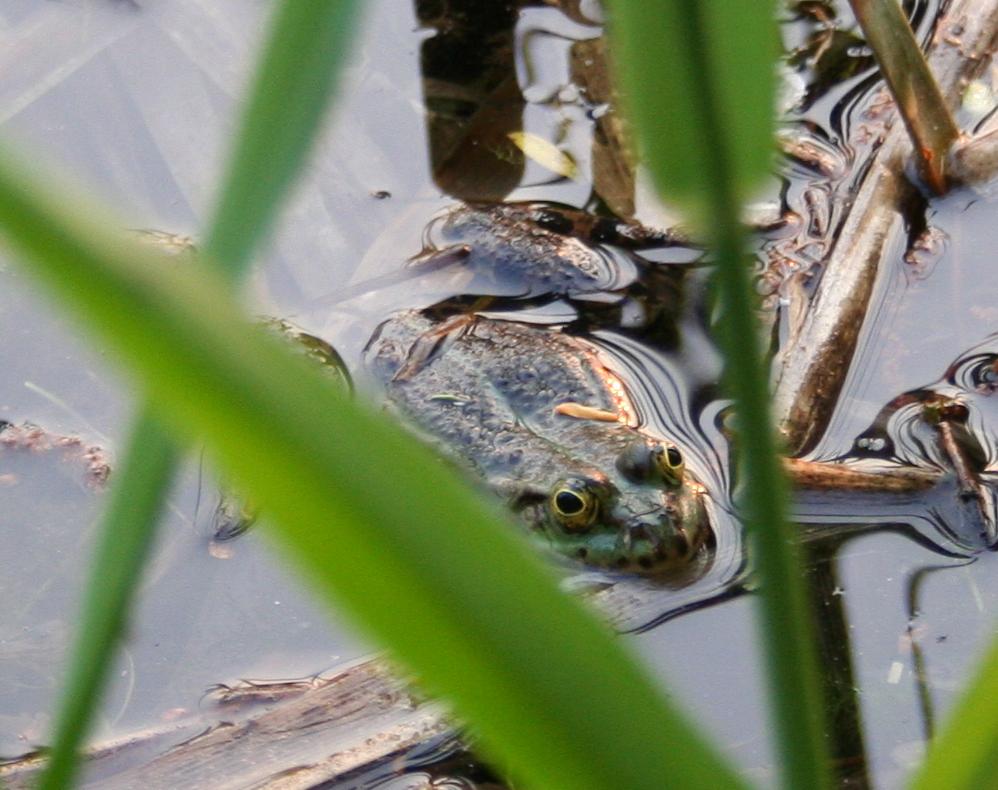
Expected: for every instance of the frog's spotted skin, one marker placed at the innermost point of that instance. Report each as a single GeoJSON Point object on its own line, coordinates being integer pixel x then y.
{"type": "Point", "coordinates": [488, 392]}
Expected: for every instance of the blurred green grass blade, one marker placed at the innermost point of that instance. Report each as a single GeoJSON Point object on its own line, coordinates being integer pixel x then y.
{"type": "Point", "coordinates": [964, 756]}
{"type": "Point", "coordinates": [920, 102]}
{"type": "Point", "coordinates": [371, 516]}
{"type": "Point", "coordinates": [699, 55]}
{"type": "Point", "coordinates": [288, 97]}
{"type": "Point", "coordinates": [788, 632]}
{"type": "Point", "coordinates": [125, 539]}
{"type": "Point", "coordinates": [699, 79]}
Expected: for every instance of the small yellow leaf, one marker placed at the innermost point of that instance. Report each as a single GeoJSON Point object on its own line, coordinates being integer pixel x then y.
{"type": "Point", "coordinates": [544, 153]}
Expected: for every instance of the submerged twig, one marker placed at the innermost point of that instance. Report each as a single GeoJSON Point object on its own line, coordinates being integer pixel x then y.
{"type": "Point", "coordinates": [810, 371]}
{"type": "Point", "coordinates": [295, 735]}
{"type": "Point", "coordinates": [966, 458]}
{"type": "Point", "coordinates": [818, 476]}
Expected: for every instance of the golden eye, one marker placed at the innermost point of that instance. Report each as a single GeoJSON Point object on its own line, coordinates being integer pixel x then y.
{"type": "Point", "coordinates": [574, 505]}
{"type": "Point", "coordinates": [671, 465]}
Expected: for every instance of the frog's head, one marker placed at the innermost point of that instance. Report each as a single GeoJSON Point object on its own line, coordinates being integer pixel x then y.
{"type": "Point", "coordinates": [646, 515]}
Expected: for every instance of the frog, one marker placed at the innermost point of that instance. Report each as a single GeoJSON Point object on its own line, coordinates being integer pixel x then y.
{"type": "Point", "coordinates": [537, 416]}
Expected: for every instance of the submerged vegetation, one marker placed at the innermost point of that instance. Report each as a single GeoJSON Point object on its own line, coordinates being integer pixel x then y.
{"type": "Point", "coordinates": [201, 363]}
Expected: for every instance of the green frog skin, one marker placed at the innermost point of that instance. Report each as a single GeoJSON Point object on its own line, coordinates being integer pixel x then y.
{"type": "Point", "coordinates": [535, 414]}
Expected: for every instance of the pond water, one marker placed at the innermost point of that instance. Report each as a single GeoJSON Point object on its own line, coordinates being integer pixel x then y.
{"type": "Point", "coordinates": [137, 99]}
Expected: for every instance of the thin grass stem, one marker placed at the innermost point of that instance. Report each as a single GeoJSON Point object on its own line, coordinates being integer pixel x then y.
{"type": "Point", "coordinates": [919, 99]}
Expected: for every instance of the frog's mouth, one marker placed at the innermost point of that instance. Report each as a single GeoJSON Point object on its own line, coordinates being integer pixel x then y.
{"type": "Point", "coordinates": [640, 547]}
{"type": "Point", "coordinates": [653, 543]}
{"type": "Point", "coordinates": [647, 550]}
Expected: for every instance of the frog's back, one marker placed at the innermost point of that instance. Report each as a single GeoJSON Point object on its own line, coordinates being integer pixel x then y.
{"type": "Point", "coordinates": [488, 389]}
{"type": "Point", "coordinates": [531, 368]}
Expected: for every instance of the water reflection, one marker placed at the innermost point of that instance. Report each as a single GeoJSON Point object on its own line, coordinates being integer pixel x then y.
{"type": "Point", "coordinates": [842, 610]}
{"type": "Point", "coordinates": [900, 432]}
{"type": "Point", "coordinates": [472, 99]}
{"type": "Point", "coordinates": [500, 114]}
{"type": "Point", "coordinates": [39, 481]}
{"type": "Point", "coordinates": [843, 720]}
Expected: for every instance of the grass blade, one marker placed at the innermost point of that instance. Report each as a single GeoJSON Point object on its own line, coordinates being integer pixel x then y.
{"type": "Point", "coordinates": [964, 756]}
{"type": "Point", "coordinates": [661, 48]}
{"type": "Point", "coordinates": [919, 99]}
{"type": "Point", "coordinates": [289, 95]}
{"type": "Point", "coordinates": [699, 80]}
{"type": "Point", "coordinates": [372, 517]}
{"type": "Point", "coordinates": [126, 536]}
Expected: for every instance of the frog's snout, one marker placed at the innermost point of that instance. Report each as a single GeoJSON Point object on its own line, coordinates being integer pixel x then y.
{"type": "Point", "coordinates": [653, 543]}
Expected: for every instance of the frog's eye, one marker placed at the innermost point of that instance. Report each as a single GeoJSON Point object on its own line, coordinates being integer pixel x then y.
{"type": "Point", "coordinates": [648, 461]}
{"type": "Point", "coordinates": [574, 505]}
{"type": "Point", "coordinates": [670, 463]}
